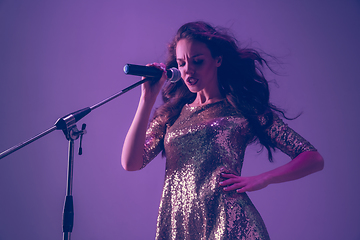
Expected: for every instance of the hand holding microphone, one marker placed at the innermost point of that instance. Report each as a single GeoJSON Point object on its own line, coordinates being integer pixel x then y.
{"type": "Point", "coordinates": [173, 74]}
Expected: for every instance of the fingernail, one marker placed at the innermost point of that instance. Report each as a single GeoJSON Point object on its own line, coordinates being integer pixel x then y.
{"type": "Point", "coordinates": [221, 183]}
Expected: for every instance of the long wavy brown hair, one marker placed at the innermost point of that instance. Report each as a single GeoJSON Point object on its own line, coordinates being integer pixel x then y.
{"type": "Point", "coordinates": [240, 76]}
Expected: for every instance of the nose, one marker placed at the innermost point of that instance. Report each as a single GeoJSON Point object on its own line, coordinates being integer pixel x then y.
{"type": "Point", "coordinates": [189, 69]}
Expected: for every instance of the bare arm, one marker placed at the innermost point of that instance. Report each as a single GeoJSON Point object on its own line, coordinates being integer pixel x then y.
{"type": "Point", "coordinates": [301, 166]}
{"type": "Point", "coordinates": [304, 164]}
{"type": "Point", "coordinates": [131, 157]}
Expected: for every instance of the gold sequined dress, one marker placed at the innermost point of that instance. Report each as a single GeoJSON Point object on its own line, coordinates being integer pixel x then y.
{"type": "Point", "coordinates": [203, 140]}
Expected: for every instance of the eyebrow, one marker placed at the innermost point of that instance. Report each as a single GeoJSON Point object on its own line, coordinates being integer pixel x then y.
{"type": "Point", "coordinates": [191, 57]}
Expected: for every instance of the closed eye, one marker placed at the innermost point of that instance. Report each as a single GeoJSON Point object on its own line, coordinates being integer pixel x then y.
{"type": "Point", "coordinates": [181, 64]}
{"type": "Point", "coordinates": [198, 61]}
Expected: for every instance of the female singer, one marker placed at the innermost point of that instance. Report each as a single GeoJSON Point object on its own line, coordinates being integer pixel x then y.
{"type": "Point", "coordinates": [207, 120]}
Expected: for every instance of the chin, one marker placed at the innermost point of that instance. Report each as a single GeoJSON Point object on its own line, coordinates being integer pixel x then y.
{"type": "Point", "coordinates": [194, 90]}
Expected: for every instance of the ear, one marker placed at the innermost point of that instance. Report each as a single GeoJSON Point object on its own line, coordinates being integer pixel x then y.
{"type": "Point", "coordinates": [218, 61]}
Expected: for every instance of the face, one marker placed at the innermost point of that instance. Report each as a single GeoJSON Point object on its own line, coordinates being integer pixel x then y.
{"type": "Point", "coordinates": [198, 68]}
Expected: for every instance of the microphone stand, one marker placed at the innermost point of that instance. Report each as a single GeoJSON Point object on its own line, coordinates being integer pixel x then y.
{"type": "Point", "coordinates": [68, 125]}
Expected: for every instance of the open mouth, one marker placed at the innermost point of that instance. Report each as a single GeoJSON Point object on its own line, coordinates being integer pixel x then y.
{"type": "Point", "coordinates": [191, 81]}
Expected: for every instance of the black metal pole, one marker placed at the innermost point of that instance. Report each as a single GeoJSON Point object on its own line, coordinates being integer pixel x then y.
{"type": "Point", "coordinates": [23, 144]}
{"type": "Point", "coordinates": [119, 93]}
{"type": "Point", "coordinates": [68, 214]}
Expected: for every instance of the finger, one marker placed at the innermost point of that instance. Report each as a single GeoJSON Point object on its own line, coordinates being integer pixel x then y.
{"type": "Point", "coordinates": [161, 66]}
{"type": "Point", "coordinates": [229, 181]}
{"type": "Point", "coordinates": [241, 190]}
{"type": "Point", "coordinates": [233, 187]}
{"type": "Point", "coordinates": [228, 175]}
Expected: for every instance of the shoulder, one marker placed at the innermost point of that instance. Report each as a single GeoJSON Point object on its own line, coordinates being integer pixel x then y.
{"type": "Point", "coordinates": [156, 124]}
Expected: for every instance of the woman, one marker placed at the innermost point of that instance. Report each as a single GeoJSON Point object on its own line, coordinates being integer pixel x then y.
{"type": "Point", "coordinates": [220, 106]}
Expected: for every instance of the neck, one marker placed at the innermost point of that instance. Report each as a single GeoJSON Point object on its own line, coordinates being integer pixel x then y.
{"type": "Point", "coordinates": [202, 98]}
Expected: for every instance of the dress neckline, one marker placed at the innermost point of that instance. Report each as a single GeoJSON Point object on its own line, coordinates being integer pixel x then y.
{"type": "Point", "coordinates": [205, 105]}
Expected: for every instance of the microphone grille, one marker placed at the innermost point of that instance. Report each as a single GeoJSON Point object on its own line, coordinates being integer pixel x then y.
{"type": "Point", "coordinates": [175, 75]}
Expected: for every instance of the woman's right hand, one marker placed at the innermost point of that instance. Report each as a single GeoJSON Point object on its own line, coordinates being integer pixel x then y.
{"type": "Point", "coordinates": [131, 156]}
{"type": "Point", "coordinates": [150, 89]}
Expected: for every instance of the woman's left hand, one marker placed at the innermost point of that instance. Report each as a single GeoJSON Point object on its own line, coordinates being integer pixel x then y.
{"type": "Point", "coordinates": [242, 184]}
{"type": "Point", "coordinates": [304, 164]}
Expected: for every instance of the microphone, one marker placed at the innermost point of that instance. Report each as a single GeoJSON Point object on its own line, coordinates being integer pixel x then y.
{"type": "Point", "coordinates": [173, 74]}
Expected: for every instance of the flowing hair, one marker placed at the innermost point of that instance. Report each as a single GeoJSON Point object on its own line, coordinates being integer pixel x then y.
{"type": "Point", "coordinates": [240, 77]}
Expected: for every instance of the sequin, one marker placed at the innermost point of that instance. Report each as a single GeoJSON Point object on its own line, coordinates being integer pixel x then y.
{"type": "Point", "coordinates": [201, 142]}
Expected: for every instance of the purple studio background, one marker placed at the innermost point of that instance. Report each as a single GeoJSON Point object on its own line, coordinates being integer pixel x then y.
{"type": "Point", "coordinates": [60, 56]}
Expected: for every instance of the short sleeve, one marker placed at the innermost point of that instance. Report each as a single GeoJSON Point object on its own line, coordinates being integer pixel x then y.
{"type": "Point", "coordinates": [286, 139]}
{"type": "Point", "coordinates": [154, 141]}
